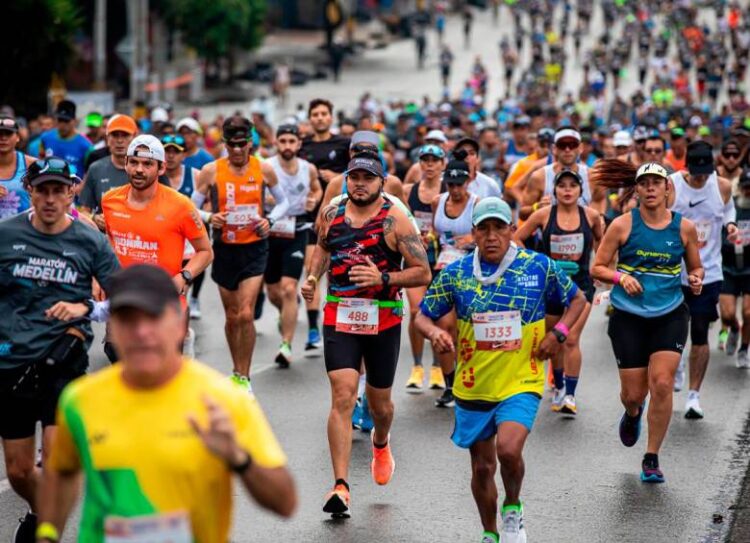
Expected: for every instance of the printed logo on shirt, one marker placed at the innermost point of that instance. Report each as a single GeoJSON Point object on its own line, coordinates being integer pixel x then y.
{"type": "Point", "coordinates": [46, 270]}
{"type": "Point", "coordinates": [5, 348]}
{"type": "Point", "coordinates": [19, 247]}
{"type": "Point", "coordinates": [69, 253]}
{"type": "Point", "coordinates": [332, 155]}
{"type": "Point", "coordinates": [120, 214]}
{"type": "Point", "coordinates": [132, 246]}
{"type": "Point", "coordinates": [297, 254]}
{"type": "Point", "coordinates": [104, 180]}
{"type": "Point", "coordinates": [248, 188]}
{"type": "Point", "coordinates": [528, 281]}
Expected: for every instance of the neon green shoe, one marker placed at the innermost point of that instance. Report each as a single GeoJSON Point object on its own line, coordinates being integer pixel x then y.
{"type": "Point", "coordinates": [490, 537]}
{"type": "Point", "coordinates": [242, 381]}
{"type": "Point", "coordinates": [723, 336]}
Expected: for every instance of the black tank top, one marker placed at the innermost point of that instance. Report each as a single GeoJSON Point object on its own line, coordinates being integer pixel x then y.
{"type": "Point", "coordinates": [559, 244]}
{"type": "Point", "coordinates": [415, 204]}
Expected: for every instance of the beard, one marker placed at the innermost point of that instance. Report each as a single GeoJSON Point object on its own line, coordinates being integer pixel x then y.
{"type": "Point", "coordinates": [287, 155]}
{"type": "Point", "coordinates": [142, 183]}
{"type": "Point", "coordinates": [366, 201]}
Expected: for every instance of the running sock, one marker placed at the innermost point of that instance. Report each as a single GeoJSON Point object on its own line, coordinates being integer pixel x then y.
{"type": "Point", "coordinates": [743, 347]}
{"type": "Point", "coordinates": [417, 359]}
{"type": "Point", "coordinates": [312, 319]}
{"type": "Point", "coordinates": [559, 380]}
{"type": "Point", "coordinates": [383, 446]}
{"type": "Point", "coordinates": [341, 482]}
{"type": "Point", "coordinates": [570, 385]}
{"type": "Point", "coordinates": [693, 394]}
{"type": "Point", "coordinates": [361, 386]}
{"type": "Point", "coordinates": [651, 460]}
{"type": "Point", "coordinates": [449, 379]}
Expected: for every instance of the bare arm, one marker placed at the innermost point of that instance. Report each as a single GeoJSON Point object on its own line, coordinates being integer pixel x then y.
{"type": "Point", "coordinates": [614, 238]}
{"type": "Point", "coordinates": [689, 236]}
{"type": "Point", "coordinates": [316, 189]}
{"type": "Point", "coordinates": [272, 488]}
{"type": "Point", "coordinates": [57, 496]}
{"type": "Point", "coordinates": [536, 220]}
{"type": "Point", "coordinates": [321, 256]}
{"type": "Point", "coordinates": [399, 231]}
{"type": "Point", "coordinates": [597, 225]}
{"type": "Point", "coordinates": [205, 178]}
{"type": "Point", "coordinates": [533, 194]}
{"type": "Point", "coordinates": [394, 186]}
{"type": "Point", "coordinates": [413, 175]}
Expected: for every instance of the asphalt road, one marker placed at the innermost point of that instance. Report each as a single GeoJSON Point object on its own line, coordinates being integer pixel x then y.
{"type": "Point", "coordinates": [581, 483]}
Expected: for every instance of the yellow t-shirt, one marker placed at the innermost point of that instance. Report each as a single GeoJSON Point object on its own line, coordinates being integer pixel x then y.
{"type": "Point", "coordinates": [140, 455]}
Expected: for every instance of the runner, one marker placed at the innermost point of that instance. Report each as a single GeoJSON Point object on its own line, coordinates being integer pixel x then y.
{"type": "Point", "coordinates": [47, 264]}
{"type": "Point", "coordinates": [419, 197]}
{"type": "Point", "coordinates": [64, 141]}
{"type": "Point", "coordinates": [569, 233]}
{"type": "Point", "coordinates": [518, 145]}
{"type": "Point", "coordinates": [735, 258]}
{"type": "Point", "coordinates": [299, 181]}
{"type": "Point", "coordinates": [729, 164]}
{"type": "Point", "coordinates": [540, 147]}
{"type": "Point", "coordinates": [433, 137]}
{"type": "Point", "coordinates": [236, 185]}
{"type": "Point", "coordinates": [195, 155]}
{"type": "Point", "coordinates": [362, 242]}
{"type": "Point", "coordinates": [649, 325]}
{"type": "Point", "coordinates": [13, 196]}
{"type": "Point", "coordinates": [500, 381]}
{"type": "Point", "coordinates": [675, 157]}
{"type": "Point", "coordinates": [706, 199]}
{"type": "Point", "coordinates": [113, 425]}
{"type": "Point", "coordinates": [479, 184]}
{"type": "Point", "coordinates": [108, 172]}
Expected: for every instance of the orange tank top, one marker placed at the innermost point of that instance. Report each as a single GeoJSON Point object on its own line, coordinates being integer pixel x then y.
{"type": "Point", "coordinates": [241, 196]}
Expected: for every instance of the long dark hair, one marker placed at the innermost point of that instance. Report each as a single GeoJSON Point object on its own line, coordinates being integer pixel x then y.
{"type": "Point", "coordinates": [613, 173]}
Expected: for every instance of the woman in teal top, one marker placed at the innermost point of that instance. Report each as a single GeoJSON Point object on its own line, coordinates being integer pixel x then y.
{"type": "Point", "coordinates": [649, 325]}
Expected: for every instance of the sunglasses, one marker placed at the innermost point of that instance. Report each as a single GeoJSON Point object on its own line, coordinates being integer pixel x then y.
{"type": "Point", "coordinates": [567, 146]}
{"type": "Point", "coordinates": [362, 148]}
{"type": "Point", "coordinates": [8, 123]}
{"type": "Point", "coordinates": [652, 151]}
{"type": "Point", "coordinates": [431, 150]}
{"type": "Point", "coordinates": [730, 155]}
{"type": "Point", "coordinates": [47, 166]}
{"type": "Point", "coordinates": [173, 140]}
{"type": "Point", "coordinates": [237, 144]}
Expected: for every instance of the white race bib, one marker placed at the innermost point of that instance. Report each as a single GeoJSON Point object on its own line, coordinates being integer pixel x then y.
{"type": "Point", "coordinates": [284, 228]}
{"type": "Point", "coordinates": [743, 232]}
{"type": "Point", "coordinates": [163, 528]}
{"type": "Point", "coordinates": [357, 316]}
{"type": "Point", "coordinates": [448, 255]}
{"type": "Point", "coordinates": [704, 233]}
{"type": "Point", "coordinates": [566, 247]}
{"type": "Point", "coordinates": [497, 330]}
{"type": "Point", "coordinates": [424, 221]}
{"type": "Point", "coordinates": [242, 215]}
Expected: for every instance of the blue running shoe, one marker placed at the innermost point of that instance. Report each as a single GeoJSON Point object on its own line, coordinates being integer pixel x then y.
{"type": "Point", "coordinates": [366, 423]}
{"type": "Point", "coordinates": [357, 414]}
{"type": "Point", "coordinates": [652, 475]}
{"type": "Point", "coordinates": [630, 428]}
{"type": "Point", "coordinates": [314, 342]}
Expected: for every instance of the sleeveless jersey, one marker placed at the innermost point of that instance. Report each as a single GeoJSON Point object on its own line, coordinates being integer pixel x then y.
{"type": "Point", "coordinates": [654, 258]}
{"type": "Point", "coordinates": [348, 247]}
{"type": "Point", "coordinates": [549, 184]}
{"type": "Point", "coordinates": [423, 215]}
{"type": "Point", "coordinates": [296, 187]}
{"type": "Point", "coordinates": [512, 154]}
{"type": "Point", "coordinates": [17, 200]}
{"type": "Point", "coordinates": [735, 257]}
{"type": "Point", "coordinates": [242, 197]}
{"type": "Point", "coordinates": [705, 208]}
{"type": "Point", "coordinates": [450, 228]}
{"type": "Point", "coordinates": [571, 245]}
{"type": "Point", "coordinates": [187, 185]}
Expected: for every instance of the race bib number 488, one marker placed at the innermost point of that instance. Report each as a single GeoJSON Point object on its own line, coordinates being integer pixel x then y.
{"type": "Point", "coordinates": [357, 316]}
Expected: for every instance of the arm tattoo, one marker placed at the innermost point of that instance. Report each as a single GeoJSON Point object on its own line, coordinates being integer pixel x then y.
{"type": "Point", "coordinates": [411, 245]}
{"type": "Point", "coordinates": [322, 266]}
{"type": "Point", "coordinates": [389, 223]}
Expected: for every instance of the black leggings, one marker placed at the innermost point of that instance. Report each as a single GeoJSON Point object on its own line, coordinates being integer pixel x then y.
{"type": "Point", "coordinates": [380, 352]}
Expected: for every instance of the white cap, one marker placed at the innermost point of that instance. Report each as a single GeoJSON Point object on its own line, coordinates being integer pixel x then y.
{"type": "Point", "coordinates": [154, 148]}
{"type": "Point", "coordinates": [566, 133]}
{"type": "Point", "coordinates": [159, 115]}
{"type": "Point", "coordinates": [437, 135]}
{"type": "Point", "coordinates": [191, 124]}
{"type": "Point", "coordinates": [695, 121]}
{"type": "Point", "coordinates": [622, 139]}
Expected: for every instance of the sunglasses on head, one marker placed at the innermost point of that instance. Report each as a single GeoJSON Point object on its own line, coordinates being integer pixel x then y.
{"type": "Point", "coordinates": [173, 140]}
{"type": "Point", "coordinates": [363, 148]}
{"type": "Point", "coordinates": [567, 145]}
{"type": "Point", "coordinates": [47, 166]}
{"type": "Point", "coordinates": [8, 123]}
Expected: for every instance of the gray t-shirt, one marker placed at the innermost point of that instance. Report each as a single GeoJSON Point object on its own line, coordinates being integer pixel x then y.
{"type": "Point", "coordinates": [101, 177]}
{"type": "Point", "coordinates": [38, 270]}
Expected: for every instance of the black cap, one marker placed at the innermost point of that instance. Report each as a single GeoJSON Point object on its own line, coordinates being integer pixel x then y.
{"type": "Point", "coordinates": [288, 128]}
{"type": "Point", "coordinates": [8, 124]}
{"type": "Point", "coordinates": [143, 287]}
{"type": "Point", "coordinates": [468, 141]}
{"type": "Point", "coordinates": [568, 173]}
{"type": "Point", "coordinates": [546, 135]}
{"type": "Point", "coordinates": [745, 177]}
{"type": "Point", "coordinates": [237, 127]}
{"type": "Point", "coordinates": [456, 172]}
{"type": "Point", "coordinates": [49, 169]}
{"type": "Point", "coordinates": [65, 110]}
{"type": "Point", "coordinates": [700, 158]}
{"type": "Point", "coordinates": [366, 163]}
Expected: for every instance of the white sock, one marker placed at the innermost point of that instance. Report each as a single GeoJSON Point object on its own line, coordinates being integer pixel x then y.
{"type": "Point", "coordinates": [361, 387]}
{"type": "Point", "coordinates": [694, 394]}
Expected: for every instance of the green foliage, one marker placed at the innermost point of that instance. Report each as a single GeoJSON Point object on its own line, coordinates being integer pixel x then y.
{"type": "Point", "coordinates": [38, 42]}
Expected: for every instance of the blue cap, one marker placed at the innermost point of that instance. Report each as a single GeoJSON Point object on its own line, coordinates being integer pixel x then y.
{"type": "Point", "coordinates": [491, 208]}
{"type": "Point", "coordinates": [431, 150]}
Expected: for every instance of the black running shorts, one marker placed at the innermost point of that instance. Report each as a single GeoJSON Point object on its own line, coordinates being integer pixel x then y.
{"type": "Point", "coordinates": [735, 285]}
{"type": "Point", "coordinates": [286, 257]}
{"type": "Point", "coordinates": [635, 338]}
{"type": "Point", "coordinates": [233, 263]}
{"type": "Point", "coordinates": [380, 352]}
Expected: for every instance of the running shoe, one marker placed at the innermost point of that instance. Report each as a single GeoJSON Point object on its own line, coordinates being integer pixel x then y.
{"type": "Point", "coordinates": [337, 502]}
{"type": "Point", "coordinates": [312, 347]}
{"type": "Point", "coordinates": [446, 399]}
{"type": "Point", "coordinates": [742, 361]}
{"type": "Point", "coordinates": [415, 383]}
{"type": "Point", "coordinates": [284, 357]}
{"type": "Point", "coordinates": [722, 343]}
{"type": "Point", "coordinates": [26, 529]}
{"type": "Point", "coordinates": [693, 409]}
{"type": "Point", "coordinates": [557, 399]}
{"type": "Point", "coordinates": [437, 381]}
{"type": "Point", "coordinates": [490, 537]}
{"type": "Point", "coordinates": [357, 414]}
{"type": "Point", "coordinates": [630, 428]}
{"type": "Point", "coordinates": [650, 471]}
{"type": "Point", "coordinates": [568, 405]}
{"type": "Point", "coordinates": [195, 308]}
{"type": "Point", "coordinates": [383, 465]}
{"type": "Point", "coordinates": [679, 374]}
{"type": "Point", "coordinates": [732, 341]}
{"type": "Point", "coordinates": [513, 528]}
{"type": "Point", "coordinates": [242, 381]}
{"type": "Point", "coordinates": [366, 423]}
{"type": "Point", "coordinates": [188, 344]}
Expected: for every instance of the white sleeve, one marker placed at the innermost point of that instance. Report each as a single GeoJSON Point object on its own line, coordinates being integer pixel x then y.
{"type": "Point", "coordinates": [282, 203]}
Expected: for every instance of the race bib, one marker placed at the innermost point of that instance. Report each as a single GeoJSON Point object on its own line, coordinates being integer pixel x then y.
{"type": "Point", "coordinates": [284, 228]}
{"type": "Point", "coordinates": [743, 233]}
{"type": "Point", "coordinates": [448, 254]}
{"type": "Point", "coordinates": [357, 316]}
{"type": "Point", "coordinates": [497, 330]}
{"type": "Point", "coordinates": [242, 215]}
{"type": "Point", "coordinates": [566, 247]}
{"type": "Point", "coordinates": [424, 221]}
{"type": "Point", "coordinates": [704, 233]}
{"type": "Point", "coordinates": [164, 528]}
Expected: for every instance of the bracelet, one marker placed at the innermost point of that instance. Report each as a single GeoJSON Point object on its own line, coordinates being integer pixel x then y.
{"type": "Point", "coordinates": [535, 206]}
{"type": "Point", "coordinates": [312, 278]}
{"type": "Point", "coordinates": [616, 278]}
{"type": "Point", "coordinates": [560, 327]}
{"type": "Point", "coordinates": [47, 530]}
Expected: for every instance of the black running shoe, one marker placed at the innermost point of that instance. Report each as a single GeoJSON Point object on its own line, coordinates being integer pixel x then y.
{"type": "Point", "coordinates": [446, 399]}
{"type": "Point", "coordinates": [26, 529]}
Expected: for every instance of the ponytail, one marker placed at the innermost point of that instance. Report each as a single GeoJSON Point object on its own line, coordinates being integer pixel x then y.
{"type": "Point", "coordinates": [613, 173]}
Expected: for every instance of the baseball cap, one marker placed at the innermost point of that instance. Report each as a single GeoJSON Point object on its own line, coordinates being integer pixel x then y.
{"type": "Point", "coordinates": [436, 135]}
{"type": "Point", "coordinates": [94, 119]}
{"type": "Point", "coordinates": [468, 141]}
{"type": "Point", "coordinates": [567, 133]}
{"type": "Point", "coordinates": [365, 136]}
{"type": "Point", "coordinates": [562, 174]}
{"type": "Point", "coordinates": [431, 150]}
{"type": "Point", "coordinates": [546, 135]}
{"type": "Point", "coordinates": [8, 124]}
{"type": "Point", "coordinates": [641, 133]}
{"type": "Point", "coordinates": [122, 123]}
{"type": "Point", "coordinates": [173, 140]}
{"type": "Point", "coordinates": [522, 120]}
{"type": "Point", "coordinates": [491, 208]}
{"type": "Point", "coordinates": [65, 110]}
{"type": "Point", "coordinates": [745, 177]}
{"type": "Point", "coordinates": [159, 115]}
{"type": "Point", "coordinates": [677, 132]}
{"type": "Point", "coordinates": [190, 124]}
{"type": "Point", "coordinates": [287, 128]}
{"type": "Point", "coordinates": [237, 127]}
{"type": "Point", "coordinates": [154, 148]}
{"type": "Point", "coordinates": [367, 164]}
{"type": "Point", "coordinates": [651, 168]}
{"type": "Point", "coordinates": [50, 169]}
{"type": "Point", "coordinates": [456, 172]}
{"type": "Point", "coordinates": [622, 139]}
{"type": "Point", "coordinates": [700, 158]}
{"type": "Point", "coordinates": [143, 287]}
{"type": "Point", "coordinates": [695, 121]}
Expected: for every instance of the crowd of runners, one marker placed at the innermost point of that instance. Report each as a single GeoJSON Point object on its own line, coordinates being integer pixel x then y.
{"type": "Point", "coordinates": [492, 232]}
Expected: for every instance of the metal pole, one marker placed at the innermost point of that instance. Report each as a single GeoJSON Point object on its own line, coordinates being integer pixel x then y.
{"type": "Point", "coordinates": [100, 44]}
{"type": "Point", "coordinates": [139, 69]}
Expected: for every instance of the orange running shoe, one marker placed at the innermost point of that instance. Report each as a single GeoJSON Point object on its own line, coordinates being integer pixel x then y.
{"type": "Point", "coordinates": [337, 502]}
{"type": "Point", "coordinates": [383, 465]}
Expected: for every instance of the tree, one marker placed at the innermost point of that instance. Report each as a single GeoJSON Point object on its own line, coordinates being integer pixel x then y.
{"type": "Point", "coordinates": [38, 38]}
{"type": "Point", "coordinates": [217, 29]}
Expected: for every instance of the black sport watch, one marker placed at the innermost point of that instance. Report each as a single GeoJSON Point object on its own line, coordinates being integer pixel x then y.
{"type": "Point", "coordinates": [559, 335]}
{"type": "Point", "coordinates": [385, 277]}
{"type": "Point", "coordinates": [187, 276]}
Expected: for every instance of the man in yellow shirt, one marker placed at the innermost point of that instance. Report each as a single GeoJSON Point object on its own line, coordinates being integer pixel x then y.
{"type": "Point", "coordinates": [158, 437]}
{"type": "Point", "coordinates": [536, 159]}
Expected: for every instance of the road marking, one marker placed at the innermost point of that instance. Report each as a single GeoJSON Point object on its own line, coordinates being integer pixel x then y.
{"type": "Point", "coordinates": [4, 485]}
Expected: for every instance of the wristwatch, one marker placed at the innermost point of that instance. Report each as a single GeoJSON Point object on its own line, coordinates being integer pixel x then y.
{"type": "Point", "coordinates": [385, 277]}
{"type": "Point", "coordinates": [559, 335]}
{"type": "Point", "coordinates": [89, 303]}
{"type": "Point", "coordinates": [187, 276]}
{"type": "Point", "coordinates": [242, 467]}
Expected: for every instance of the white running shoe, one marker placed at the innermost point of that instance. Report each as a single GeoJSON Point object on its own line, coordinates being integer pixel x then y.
{"type": "Point", "coordinates": [693, 408]}
{"type": "Point", "coordinates": [568, 405]}
{"type": "Point", "coordinates": [195, 308]}
{"type": "Point", "coordinates": [513, 529]}
{"type": "Point", "coordinates": [732, 341]}
{"type": "Point", "coordinates": [557, 399]}
{"type": "Point", "coordinates": [188, 344]}
{"type": "Point", "coordinates": [679, 375]}
{"type": "Point", "coordinates": [742, 361]}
